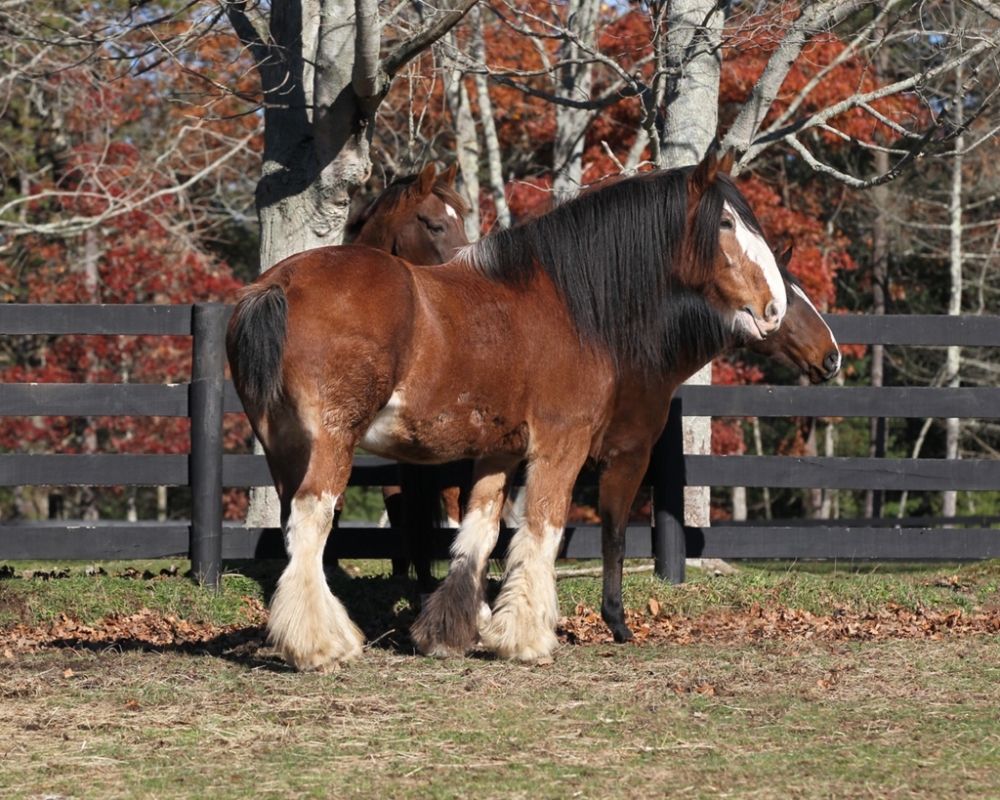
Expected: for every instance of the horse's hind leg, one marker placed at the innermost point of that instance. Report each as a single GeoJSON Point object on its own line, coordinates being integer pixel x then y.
{"type": "Point", "coordinates": [527, 609]}
{"type": "Point", "coordinates": [309, 626]}
{"type": "Point", "coordinates": [449, 622]}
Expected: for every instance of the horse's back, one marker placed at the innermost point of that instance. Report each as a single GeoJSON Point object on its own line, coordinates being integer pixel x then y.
{"type": "Point", "coordinates": [337, 270]}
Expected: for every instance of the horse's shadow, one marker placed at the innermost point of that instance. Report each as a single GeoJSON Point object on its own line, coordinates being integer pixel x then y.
{"type": "Point", "coordinates": [383, 606]}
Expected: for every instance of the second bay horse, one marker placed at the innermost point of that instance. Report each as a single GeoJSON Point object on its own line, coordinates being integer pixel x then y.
{"type": "Point", "coordinates": [421, 219]}
{"type": "Point", "coordinates": [804, 342]}
{"type": "Point", "coordinates": [549, 343]}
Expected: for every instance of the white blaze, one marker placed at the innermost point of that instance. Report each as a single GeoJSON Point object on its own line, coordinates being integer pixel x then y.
{"type": "Point", "coordinates": [804, 296]}
{"type": "Point", "coordinates": [757, 251]}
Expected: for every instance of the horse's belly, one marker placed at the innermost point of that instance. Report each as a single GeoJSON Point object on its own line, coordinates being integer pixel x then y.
{"type": "Point", "coordinates": [443, 433]}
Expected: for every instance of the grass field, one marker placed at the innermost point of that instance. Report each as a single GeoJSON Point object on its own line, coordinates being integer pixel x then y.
{"type": "Point", "coordinates": [780, 681]}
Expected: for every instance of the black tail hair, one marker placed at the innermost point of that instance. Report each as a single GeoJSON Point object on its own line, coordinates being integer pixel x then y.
{"type": "Point", "coordinates": [256, 343]}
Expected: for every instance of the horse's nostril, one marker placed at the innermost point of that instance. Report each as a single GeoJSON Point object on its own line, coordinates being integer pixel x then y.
{"type": "Point", "coordinates": [832, 361]}
{"type": "Point", "coordinates": [771, 312]}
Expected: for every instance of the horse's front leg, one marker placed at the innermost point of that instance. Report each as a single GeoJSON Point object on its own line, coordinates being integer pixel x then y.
{"type": "Point", "coordinates": [448, 624]}
{"type": "Point", "coordinates": [620, 481]}
{"type": "Point", "coordinates": [526, 611]}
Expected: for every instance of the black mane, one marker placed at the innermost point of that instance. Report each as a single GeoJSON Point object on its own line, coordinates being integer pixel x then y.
{"type": "Point", "coordinates": [613, 256]}
{"type": "Point", "coordinates": [693, 331]}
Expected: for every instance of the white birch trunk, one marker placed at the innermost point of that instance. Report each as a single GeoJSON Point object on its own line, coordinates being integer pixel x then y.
{"type": "Point", "coordinates": [316, 138]}
{"type": "Point", "coordinates": [575, 81]}
{"type": "Point", "coordinates": [953, 360]}
{"type": "Point", "coordinates": [693, 36]}
{"type": "Point", "coordinates": [92, 282]}
{"type": "Point", "coordinates": [488, 122]}
{"type": "Point", "coordinates": [739, 503]}
{"type": "Point", "coordinates": [466, 144]}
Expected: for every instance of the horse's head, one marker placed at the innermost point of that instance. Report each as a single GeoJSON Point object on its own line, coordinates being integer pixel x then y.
{"type": "Point", "coordinates": [728, 250]}
{"type": "Point", "coordinates": [804, 341]}
{"type": "Point", "coordinates": [418, 217]}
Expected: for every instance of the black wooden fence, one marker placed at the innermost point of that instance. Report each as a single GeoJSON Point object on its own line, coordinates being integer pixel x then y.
{"type": "Point", "coordinates": [207, 469]}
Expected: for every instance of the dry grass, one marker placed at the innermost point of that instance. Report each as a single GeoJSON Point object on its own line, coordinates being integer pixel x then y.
{"type": "Point", "coordinates": [893, 719]}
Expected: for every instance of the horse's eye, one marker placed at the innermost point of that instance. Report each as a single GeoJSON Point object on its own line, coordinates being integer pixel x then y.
{"type": "Point", "coordinates": [727, 224]}
{"type": "Point", "coordinates": [432, 226]}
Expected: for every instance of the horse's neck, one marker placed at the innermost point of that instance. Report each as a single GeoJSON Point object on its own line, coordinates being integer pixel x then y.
{"type": "Point", "coordinates": [375, 235]}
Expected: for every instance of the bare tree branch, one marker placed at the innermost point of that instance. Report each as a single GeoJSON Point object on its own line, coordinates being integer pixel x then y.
{"type": "Point", "coordinates": [416, 45]}
{"type": "Point", "coordinates": [365, 74]}
{"type": "Point", "coordinates": [816, 19]}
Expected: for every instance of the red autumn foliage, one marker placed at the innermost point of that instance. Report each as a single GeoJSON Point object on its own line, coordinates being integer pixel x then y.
{"type": "Point", "coordinates": [138, 252]}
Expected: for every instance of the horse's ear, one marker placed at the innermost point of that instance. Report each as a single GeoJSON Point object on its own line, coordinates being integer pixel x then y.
{"type": "Point", "coordinates": [703, 175]}
{"type": "Point", "coordinates": [448, 176]}
{"type": "Point", "coordinates": [785, 257]}
{"type": "Point", "coordinates": [727, 161]}
{"type": "Point", "coordinates": [425, 183]}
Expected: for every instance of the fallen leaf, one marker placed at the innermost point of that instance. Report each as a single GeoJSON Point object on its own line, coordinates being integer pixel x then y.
{"type": "Point", "coordinates": [654, 607]}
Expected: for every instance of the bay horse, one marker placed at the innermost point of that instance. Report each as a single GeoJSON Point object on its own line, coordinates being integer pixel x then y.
{"type": "Point", "coordinates": [804, 342]}
{"type": "Point", "coordinates": [421, 219]}
{"type": "Point", "coordinates": [418, 217]}
{"type": "Point", "coordinates": [548, 344]}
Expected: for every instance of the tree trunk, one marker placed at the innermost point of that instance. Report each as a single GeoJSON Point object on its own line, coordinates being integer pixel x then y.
{"type": "Point", "coordinates": [466, 144]}
{"type": "Point", "coordinates": [92, 282]}
{"type": "Point", "coordinates": [693, 37]}
{"type": "Point", "coordinates": [693, 59]}
{"type": "Point", "coordinates": [316, 130]}
{"type": "Point", "coordinates": [317, 133]}
{"type": "Point", "coordinates": [488, 122]}
{"type": "Point", "coordinates": [954, 354]}
{"type": "Point", "coordinates": [575, 83]}
{"type": "Point", "coordinates": [829, 450]}
{"type": "Point", "coordinates": [878, 433]}
{"type": "Point", "coordinates": [759, 450]}
{"type": "Point", "coordinates": [739, 503]}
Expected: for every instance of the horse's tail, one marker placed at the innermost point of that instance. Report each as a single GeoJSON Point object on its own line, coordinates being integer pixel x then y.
{"type": "Point", "coordinates": [255, 343]}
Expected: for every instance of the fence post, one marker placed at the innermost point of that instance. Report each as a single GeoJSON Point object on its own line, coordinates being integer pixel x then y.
{"type": "Point", "coordinates": [208, 327]}
{"type": "Point", "coordinates": [667, 462]}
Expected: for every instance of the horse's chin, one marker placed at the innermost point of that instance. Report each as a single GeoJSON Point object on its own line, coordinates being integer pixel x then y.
{"type": "Point", "coordinates": [746, 326]}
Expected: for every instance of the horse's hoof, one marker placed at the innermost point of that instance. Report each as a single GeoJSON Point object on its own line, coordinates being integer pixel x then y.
{"type": "Point", "coordinates": [326, 660]}
{"type": "Point", "coordinates": [622, 634]}
{"type": "Point", "coordinates": [439, 650]}
{"type": "Point", "coordinates": [510, 642]}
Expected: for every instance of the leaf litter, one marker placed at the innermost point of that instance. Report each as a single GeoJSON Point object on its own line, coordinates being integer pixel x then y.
{"type": "Point", "coordinates": [144, 629]}
{"type": "Point", "coordinates": [148, 629]}
{"type": "Point", "coordinates": [778, 622]}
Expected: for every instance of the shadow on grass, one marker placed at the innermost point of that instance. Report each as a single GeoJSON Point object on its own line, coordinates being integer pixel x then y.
{"type": "Point", "coordinates": [383, 606]}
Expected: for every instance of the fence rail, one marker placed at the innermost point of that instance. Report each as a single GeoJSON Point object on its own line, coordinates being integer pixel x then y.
{"type": "Point", "coordinates": [207, 470]}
